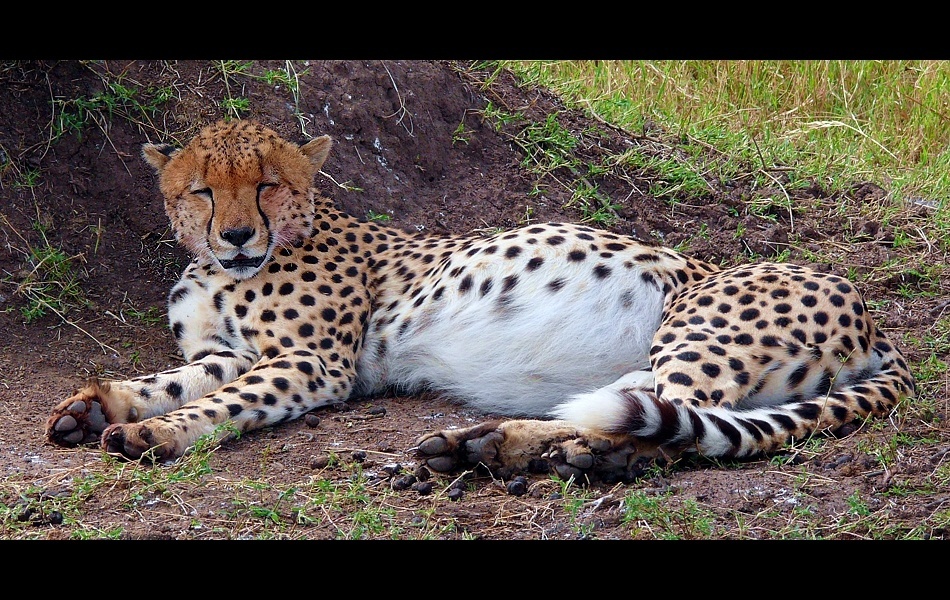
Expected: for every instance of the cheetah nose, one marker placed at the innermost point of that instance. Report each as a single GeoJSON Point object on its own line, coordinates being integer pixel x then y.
{"type": "Point", "coordinates": [238, 235]}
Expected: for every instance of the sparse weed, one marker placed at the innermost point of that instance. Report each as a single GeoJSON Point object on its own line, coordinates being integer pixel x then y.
{"type": "Point", "coordinates": [50, 282]}
{"type": "Point", "coordinates": [372, 215]}
{"type": "Point", "coordinates": [28, 178]}
{"type": "Point", "coordinates": [663, 516]}
{"type": "Point", "coordinates": [119, 99]}
{"type": "Point", "coordinates": [150, 316]}
{"type": "Point", "coordinates": [462, 134]}
{"type": "Point", "coordinates": [499, 118]}
{"type": "Point", "coordinates": [574, 499]}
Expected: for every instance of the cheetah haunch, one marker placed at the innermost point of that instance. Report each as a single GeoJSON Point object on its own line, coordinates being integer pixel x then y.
{"type": "Point", "coordinates": [607, 349]}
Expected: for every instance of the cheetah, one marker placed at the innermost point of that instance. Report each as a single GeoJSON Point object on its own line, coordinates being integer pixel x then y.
{"type": "Point", "coordinates": [597, 349]}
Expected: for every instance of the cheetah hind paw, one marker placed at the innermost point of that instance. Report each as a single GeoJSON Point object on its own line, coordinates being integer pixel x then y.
{"type": "Point", "coordinates": [591, 457]}
{"type": "Point", "coordinates": [507, 448]}
{"type": "Point", "coordinates": [78, 419]}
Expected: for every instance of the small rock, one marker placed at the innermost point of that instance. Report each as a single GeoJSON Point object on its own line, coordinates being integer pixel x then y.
{"type": "Point", "coordinates": [404, 482]}
{"type": "Point", "coordinates": [319, 462]}
{"type": "Point", "coordinates": [379, 410]}
{"type": "Point", "coordinates": [392, 470]}
{"type": "Point", "coordinates": [455, 494]}
{"type": "Point", "coordinates": [423, 487]}
{"type": "Point", "coordinates": [359, 455]}
{"type": "Point", "coordinates": [517, 486]}
{"type": "Point", "coordinates": [311, 420]}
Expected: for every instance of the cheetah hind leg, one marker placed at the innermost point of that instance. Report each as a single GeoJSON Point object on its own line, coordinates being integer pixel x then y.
{"type": "Point", "coordinates": [507, 448]}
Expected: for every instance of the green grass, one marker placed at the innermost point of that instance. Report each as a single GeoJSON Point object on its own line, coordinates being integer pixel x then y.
{"type": "Point", "coordinates": [666, 517]}
{"type": "Point", "coordinates": [835, 120]}
{"type": "Point", "coordinates": [120, 98]}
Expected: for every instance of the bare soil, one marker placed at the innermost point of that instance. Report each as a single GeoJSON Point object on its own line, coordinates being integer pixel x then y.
{"type": "Point", "coordinates": [412, 142]}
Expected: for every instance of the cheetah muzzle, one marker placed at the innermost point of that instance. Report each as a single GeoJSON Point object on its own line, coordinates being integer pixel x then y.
{"type": "Point", "coordinates": [605, 349]}
{"type": "Point", "coordinates": [243, 262]}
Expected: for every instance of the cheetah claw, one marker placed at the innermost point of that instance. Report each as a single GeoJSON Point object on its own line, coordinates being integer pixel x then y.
{"type": "Point", "coordinates": [77, 420]}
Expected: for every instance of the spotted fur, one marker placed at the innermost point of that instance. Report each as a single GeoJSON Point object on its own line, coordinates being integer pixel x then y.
{"type": "Point", "coordinates": [602, 348]}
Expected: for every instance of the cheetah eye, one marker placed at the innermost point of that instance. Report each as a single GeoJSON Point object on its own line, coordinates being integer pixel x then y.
{"type": "Point", "coordinates": [206, 192]}
{"type": "Point", "coordinates": [263, 186]}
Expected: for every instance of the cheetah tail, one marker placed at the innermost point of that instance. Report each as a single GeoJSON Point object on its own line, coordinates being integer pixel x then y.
{"type": "Point", "coordinates": [714, 432]}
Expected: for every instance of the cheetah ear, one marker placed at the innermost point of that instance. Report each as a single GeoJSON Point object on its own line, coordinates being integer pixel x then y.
{"type": "Point", "coordinates": [158, 155]}
{"type": "Point", "coordinates": [317, 150]}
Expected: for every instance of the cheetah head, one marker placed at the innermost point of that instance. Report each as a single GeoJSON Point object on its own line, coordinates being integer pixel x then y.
{"type": "Point", "coordinates": [237, 191]}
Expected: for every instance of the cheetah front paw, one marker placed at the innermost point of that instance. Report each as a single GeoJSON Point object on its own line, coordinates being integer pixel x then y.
{"type": "Point", "coordinates": [135, 440]}
{"type": "Point", "coordinates": [77, 420]}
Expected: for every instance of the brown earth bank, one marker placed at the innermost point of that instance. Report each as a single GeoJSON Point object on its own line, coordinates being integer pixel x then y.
{"type": "Point", "coordinates": [421, 144]}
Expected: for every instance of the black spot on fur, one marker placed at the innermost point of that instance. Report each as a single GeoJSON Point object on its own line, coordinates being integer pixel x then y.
{"type": "Point", "coordinates": [680, 378]}
{"type": "Point", "coordinates": [749, 314]}
{"type": "Point", "coordinates": [214, 370]}
{"type": "Point", "coordinates": [744, 339]}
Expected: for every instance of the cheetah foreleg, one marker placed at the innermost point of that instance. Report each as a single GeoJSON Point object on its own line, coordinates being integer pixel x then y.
{"type": "Point", "coordinates": [81, 418]}
{"type": "Point", "coordinates": [276, 390]}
